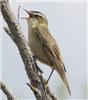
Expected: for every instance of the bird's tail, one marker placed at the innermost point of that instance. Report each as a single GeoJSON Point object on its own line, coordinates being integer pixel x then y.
{"type": "Point", "coordinates": [63, 77]}
{"type": "Point", "coordinates": [61, 71]}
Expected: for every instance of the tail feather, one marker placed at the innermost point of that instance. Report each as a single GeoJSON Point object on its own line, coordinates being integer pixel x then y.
{"type": "Point", "coordinates": [60, 69]}
{"type": "Point", "coordinates": [63, 77]}
{"type": "Point", "coordinates": [66, 83]}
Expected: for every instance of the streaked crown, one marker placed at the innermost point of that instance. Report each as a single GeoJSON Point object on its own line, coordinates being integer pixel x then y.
{"type": "Point", "coordinates": [39, 16]}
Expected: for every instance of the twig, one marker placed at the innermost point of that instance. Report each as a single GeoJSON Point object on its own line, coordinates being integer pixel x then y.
{"type": "Point", "coordinates": [37, 92]}
{"type": "Point", "coordinates": [18, 13]}
{"type": "Point", "coordinates": [7, 91]}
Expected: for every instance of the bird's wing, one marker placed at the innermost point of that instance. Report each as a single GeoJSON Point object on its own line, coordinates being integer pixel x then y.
{"type": "Point", "coordinates": [51, 48]}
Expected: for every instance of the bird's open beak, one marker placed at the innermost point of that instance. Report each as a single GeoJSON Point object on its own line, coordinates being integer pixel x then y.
{"type": "Point", "coordinates": [30, 15]}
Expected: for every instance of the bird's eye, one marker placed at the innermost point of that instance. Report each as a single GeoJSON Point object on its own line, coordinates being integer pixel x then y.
{"type": "Point", "coordinates": [37, 15]}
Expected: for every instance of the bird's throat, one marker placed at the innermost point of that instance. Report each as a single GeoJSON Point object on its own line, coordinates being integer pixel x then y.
{"type": "Point", "coordinates": [32, 23]}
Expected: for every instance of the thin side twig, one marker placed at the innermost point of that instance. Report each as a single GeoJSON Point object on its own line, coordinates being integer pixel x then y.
{"type": "Point", "coordinates": [18, 13]}
{"type": "Point", "coordinates": [37, 92]}
{"type": "Point", "coordinates": [7, 91]}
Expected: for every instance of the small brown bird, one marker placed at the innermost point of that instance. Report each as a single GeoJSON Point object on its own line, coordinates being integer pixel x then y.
{"type": "Point", "coordinates": [43, 45]}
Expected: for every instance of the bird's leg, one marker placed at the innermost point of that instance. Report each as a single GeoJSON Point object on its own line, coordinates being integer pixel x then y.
{"type": "Point", "coordinates": [49, 76]}
{"type": "Point", "coordinates": [46, 63]}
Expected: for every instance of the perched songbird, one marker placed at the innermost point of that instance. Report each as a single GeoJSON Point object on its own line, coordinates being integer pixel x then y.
{"type": "Point", "coordinates": [43, 45]}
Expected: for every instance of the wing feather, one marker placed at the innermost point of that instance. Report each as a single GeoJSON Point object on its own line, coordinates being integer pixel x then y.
{"type": "Point", "coordinates": [51, 48]}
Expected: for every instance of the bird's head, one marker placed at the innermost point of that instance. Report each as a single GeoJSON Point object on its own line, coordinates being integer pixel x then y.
{"type": "Point", "coordinates": [36, 17]}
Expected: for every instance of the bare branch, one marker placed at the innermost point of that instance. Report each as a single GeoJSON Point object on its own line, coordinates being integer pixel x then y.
{"type": "Point", "coordinates": [21, 43]}
{"type": "Point", "coordinates": [7, 91]}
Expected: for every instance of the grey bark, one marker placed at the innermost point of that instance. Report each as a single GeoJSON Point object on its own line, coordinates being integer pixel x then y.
{"type": "Point", "coordinates": [7, 91]}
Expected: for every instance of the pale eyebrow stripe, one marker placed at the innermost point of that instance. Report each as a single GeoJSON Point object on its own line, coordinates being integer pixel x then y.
{"type": "Point", "coordinates": [40, 14]}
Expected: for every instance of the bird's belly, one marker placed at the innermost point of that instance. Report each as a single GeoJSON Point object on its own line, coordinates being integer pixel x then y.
{"type": "Point", "coordinates": [38, 51]}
